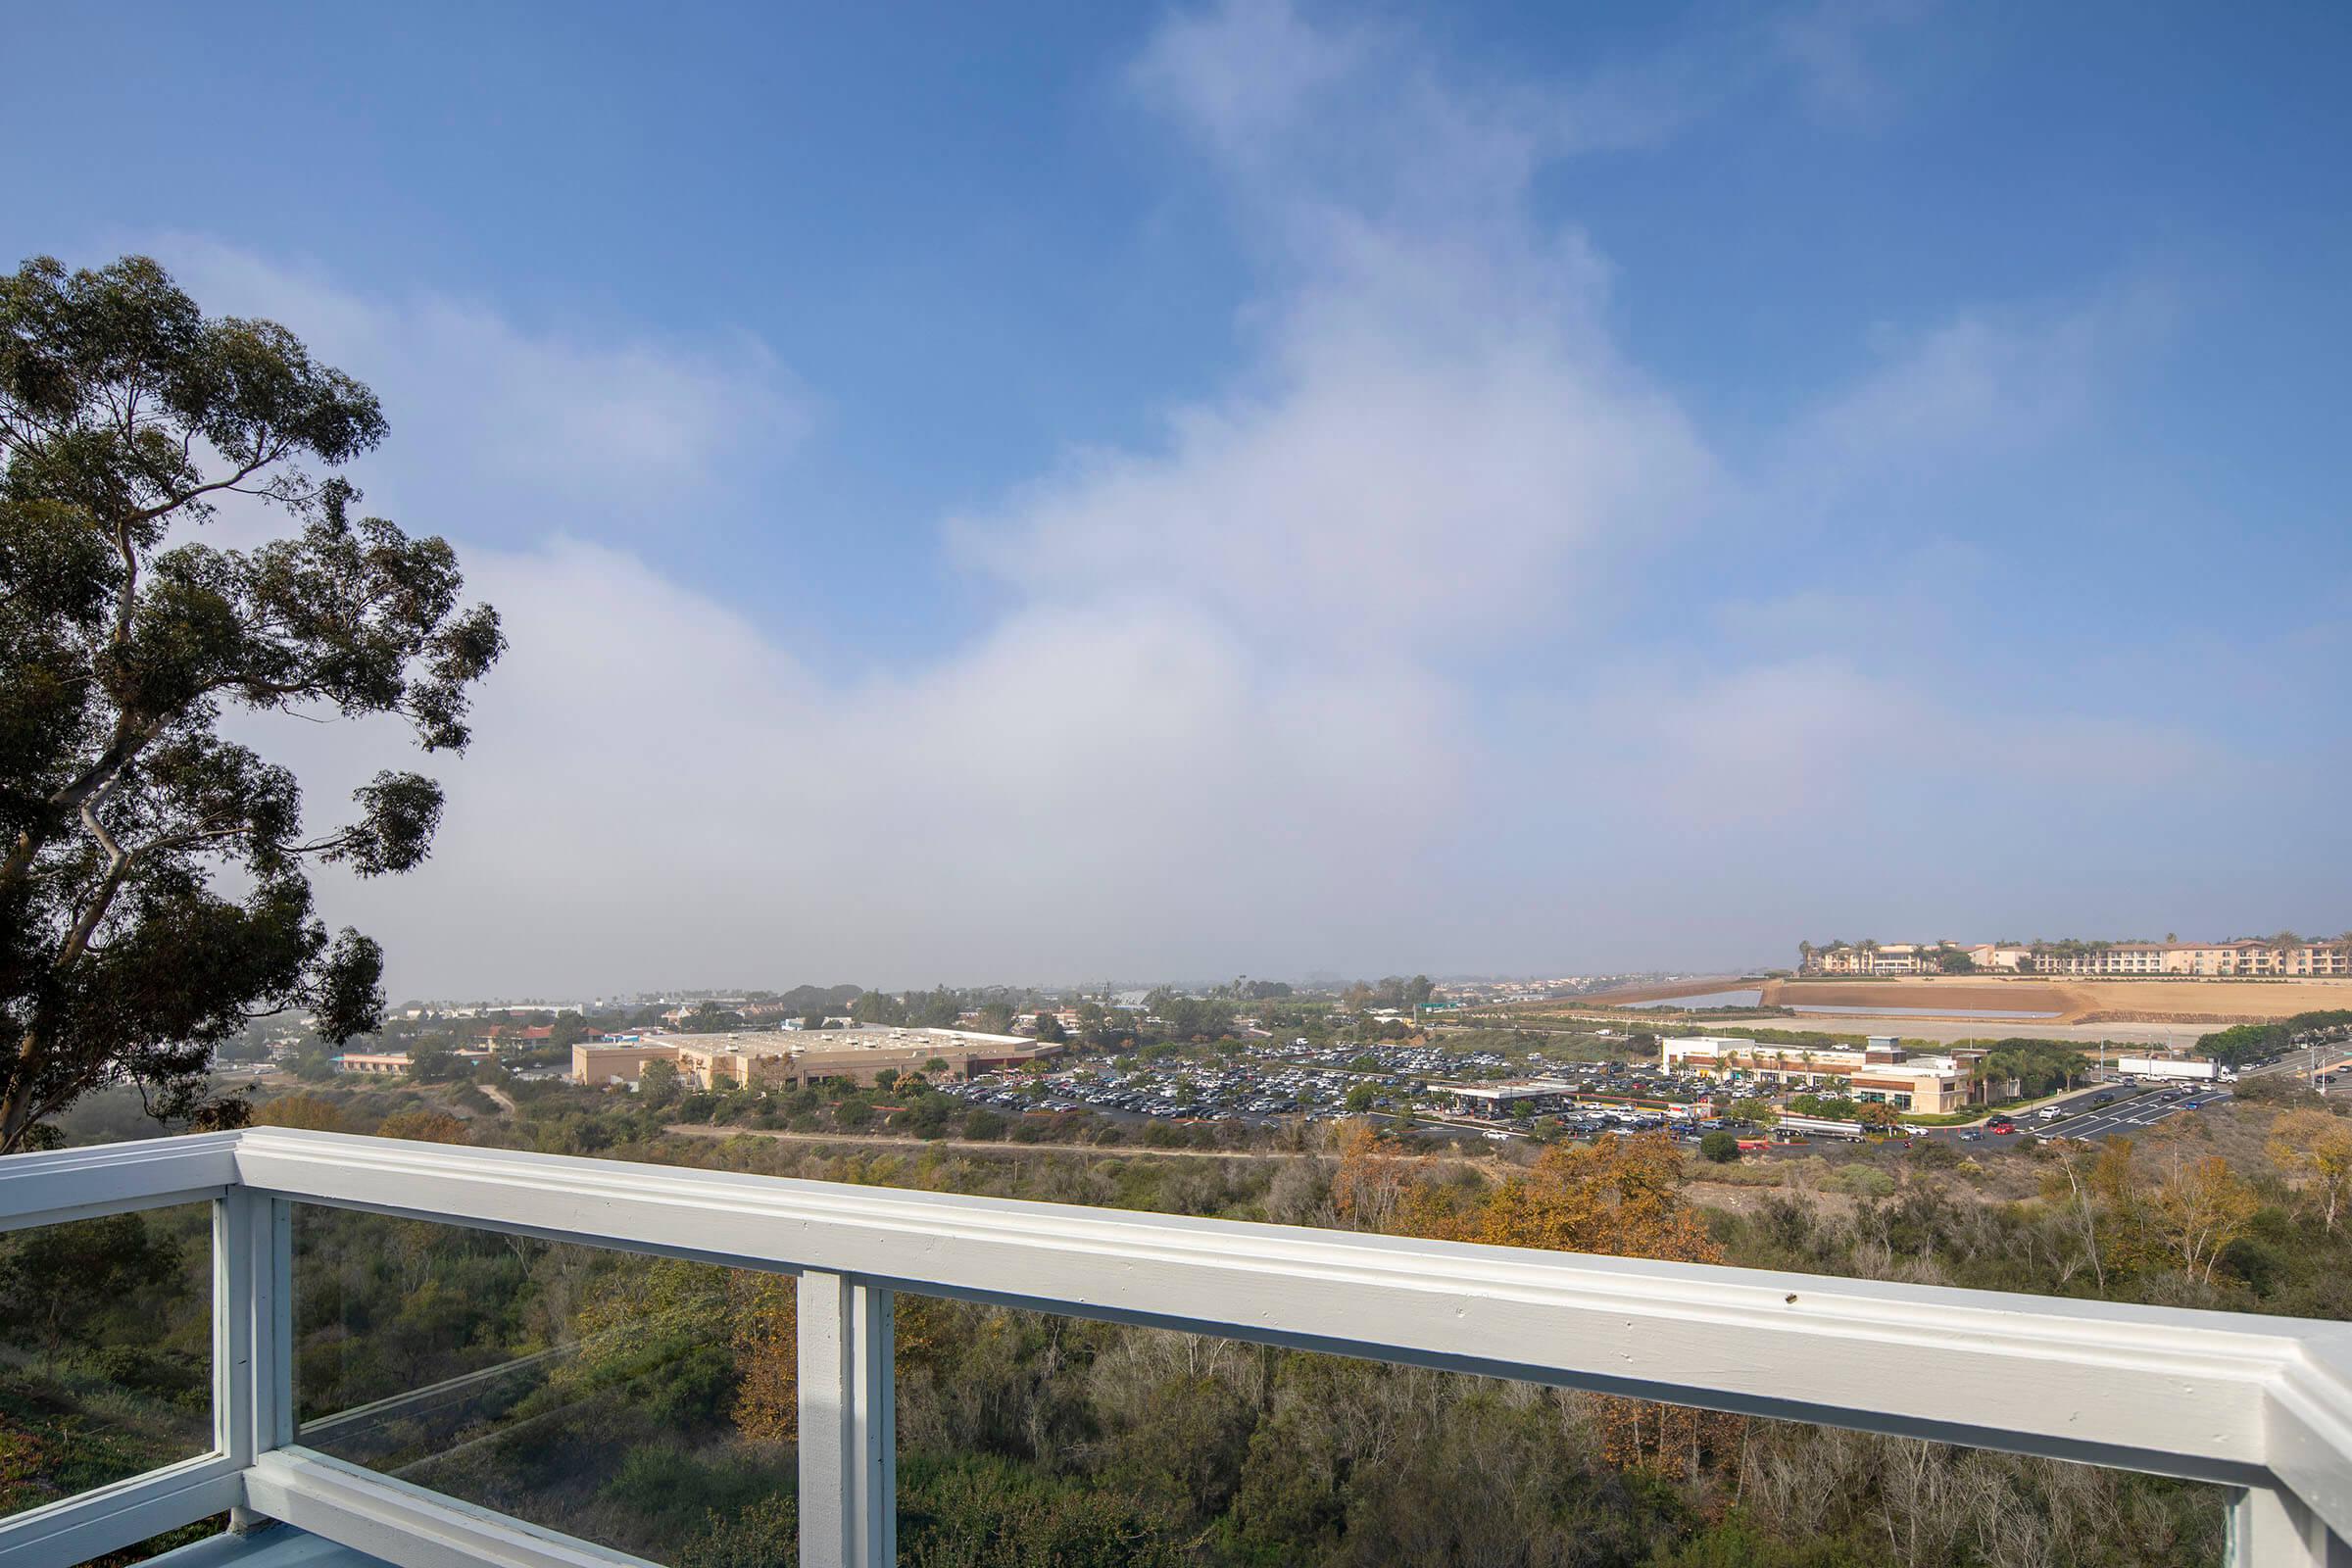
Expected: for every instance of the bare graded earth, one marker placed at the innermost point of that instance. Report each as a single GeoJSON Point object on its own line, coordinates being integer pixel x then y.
{"type": "Point", "coordinates": [1658, 990]}
{"type": "Point", "coordinates": [2075, 1002]}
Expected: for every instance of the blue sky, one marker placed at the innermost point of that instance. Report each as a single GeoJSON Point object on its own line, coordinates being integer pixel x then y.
{"type": "Point", "coordinates": [1059, 491]}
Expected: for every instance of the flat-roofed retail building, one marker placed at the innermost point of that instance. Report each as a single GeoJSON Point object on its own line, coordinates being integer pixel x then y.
{"type": "Point", "coordinates": [1882, 1070]}
{"type": "Point", "coordinates": [792, 1059]}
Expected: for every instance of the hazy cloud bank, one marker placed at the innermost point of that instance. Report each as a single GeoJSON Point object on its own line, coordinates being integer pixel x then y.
{"type": "Point", "coordinates": [1230, 715]}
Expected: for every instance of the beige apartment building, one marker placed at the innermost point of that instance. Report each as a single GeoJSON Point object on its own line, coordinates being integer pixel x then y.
{"type": "Point", "coordinates": [1875, 959]}
{"type": "Point", "coordinates": [2245, 958]}
{"type": "Point", "coordinates": [781, 1060]}
{"type": "Point", "coordinates": [1881, 1071]}
{"type": "Point", "coordinates": [2242, 958]}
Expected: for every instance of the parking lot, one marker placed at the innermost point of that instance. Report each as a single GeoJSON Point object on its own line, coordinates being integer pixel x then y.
{"type": "Point", "coordinates": [1269, 1082]}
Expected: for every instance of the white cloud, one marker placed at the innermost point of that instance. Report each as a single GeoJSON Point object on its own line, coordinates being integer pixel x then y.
{"type": "Point", "coordinates": [655, 792]}
{"type": "Point", "coordinates": [623, 430]}
{"type": "Point", "coordinates": [1819, 745]}
{"type": "Point", "coordinates": [1979, 388]}
{"type": "Point", "coordinates": [1829, 48]}
{"type": "Point", "coordinates": [1438, 440]}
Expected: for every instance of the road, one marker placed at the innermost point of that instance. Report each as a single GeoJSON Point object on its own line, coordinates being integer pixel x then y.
{"type": "Point", "coordinates": [2129, 1118]}
{"type": "Point", "coordinates": [2307, 1064]}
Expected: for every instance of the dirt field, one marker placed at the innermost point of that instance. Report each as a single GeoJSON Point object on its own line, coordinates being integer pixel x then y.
{"type": "Point", "coordinates": [1666, 990]}
{"type": "Point", "coordinates": [2077, 1002]}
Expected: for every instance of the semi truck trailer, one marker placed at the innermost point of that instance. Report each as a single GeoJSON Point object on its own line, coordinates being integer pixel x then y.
{"type": "Point", "coordinates": [2192, 1068]}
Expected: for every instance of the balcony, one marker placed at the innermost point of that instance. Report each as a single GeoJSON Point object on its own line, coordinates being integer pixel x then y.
{"type": "Point", "coordinates": [2260, 1405]}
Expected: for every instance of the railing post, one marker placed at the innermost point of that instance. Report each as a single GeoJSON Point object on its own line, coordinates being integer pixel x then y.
{"type": "Point", "coordinates": [849, 1426]}
{"type": "Point", "coordinates": [253, 1327]}
{"type": "Point", "coordinates": [2269, 1527]}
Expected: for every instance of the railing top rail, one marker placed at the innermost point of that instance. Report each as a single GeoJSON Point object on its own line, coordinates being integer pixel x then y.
{"type": "Point", "coordinates": [289, 1162]}
{"type": "Point", "coordinates": [56, 1186]}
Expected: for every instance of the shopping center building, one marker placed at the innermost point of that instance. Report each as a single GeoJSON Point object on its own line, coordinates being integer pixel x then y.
{"type": "Point", "coordinates": [797, 1058]}
{"type": "Point", "coordinates": [1880, 1070]}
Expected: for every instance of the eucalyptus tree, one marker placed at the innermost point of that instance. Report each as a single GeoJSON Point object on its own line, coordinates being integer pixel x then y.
{"type": "Point", "coordinates": [154, 872]}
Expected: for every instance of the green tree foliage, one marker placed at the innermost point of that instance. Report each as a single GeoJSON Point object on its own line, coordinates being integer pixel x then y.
{"type": "Point", "coordinates": [1720, 1147]}
{"type": "Point", "coordinates": [57, 1280]}
{"type": "Point", "coordinates": [875, 1006]}
{"type": "Point", "coordinates": [657, 1083]}
{"type": "Point", "coordinates": [124, 414]}
{"type": "Point", "coordinates": [432, 1060]}
{"type": "Point", "coordinates": [2249, 1042]}
{"type": "Point", "coordinates": [2039, 1066]}
{"type": "Point", "coordinates": [1196, 1017]}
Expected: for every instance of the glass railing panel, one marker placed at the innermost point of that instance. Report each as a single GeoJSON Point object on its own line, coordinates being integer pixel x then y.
{"type": "Point", "coordinates": [642, 1404]}
{"type": "Point", "coordinates": [1026, 1437]}
{"type": "Point", "coordinates": [106, 1351]}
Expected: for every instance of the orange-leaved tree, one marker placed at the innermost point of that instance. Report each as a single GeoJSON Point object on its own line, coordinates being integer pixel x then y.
{"type": "Point", "coordinates": [2315, 1149]}
{"type": "Point", "coordinates": [1621, 1197]}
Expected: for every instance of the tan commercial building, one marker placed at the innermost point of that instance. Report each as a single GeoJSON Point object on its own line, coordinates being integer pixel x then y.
{"type": "Point", "coordinates": [778, 1060]}
{"type": "Point", "coordinates": [391, 1064]}
{"type": "Point", "coordinates": [620, 1061]}
{"type": "Point", "coordinates": [1882, 1070]}
{"type": "Point", "coordinates": [374, 1063]}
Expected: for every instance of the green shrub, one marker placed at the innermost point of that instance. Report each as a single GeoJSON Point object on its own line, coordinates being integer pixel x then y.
{"type": "Point", "coordinates": [766, 1534]}
{"type": "Point", "coordinates": [668, 1489]}
{"type": "Point", "coordinates": [985, 1512]}
{"type": "Point", "coordinates": [1863, 1181]}
{"type": "Point", "coordinates": [1720, 1147]}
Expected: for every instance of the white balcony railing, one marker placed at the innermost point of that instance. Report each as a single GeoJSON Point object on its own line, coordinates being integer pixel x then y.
{"type": "Point", "coordinates": [2257, 1404]}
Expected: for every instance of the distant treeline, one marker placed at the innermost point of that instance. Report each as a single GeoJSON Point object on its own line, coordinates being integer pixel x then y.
{"type": "Point", "coordinates": [2251, 1042]}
